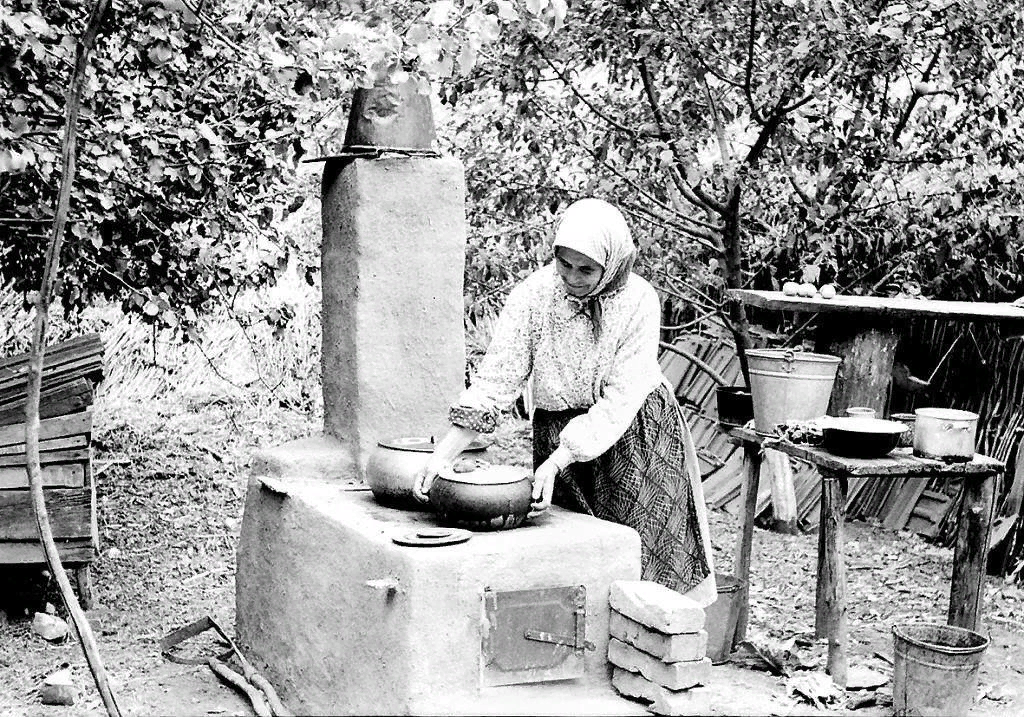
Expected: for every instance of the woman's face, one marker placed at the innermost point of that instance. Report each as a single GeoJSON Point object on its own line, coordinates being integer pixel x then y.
{"type": "Point", "coordinates": [579, 272]}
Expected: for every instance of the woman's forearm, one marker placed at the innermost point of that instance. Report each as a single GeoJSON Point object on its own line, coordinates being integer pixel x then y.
{"type": "Point", "coordinates": [454, 442]}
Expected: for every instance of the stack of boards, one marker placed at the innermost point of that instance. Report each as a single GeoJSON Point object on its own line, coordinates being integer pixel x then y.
{"type": "Point", "coordinates": [71, 370]}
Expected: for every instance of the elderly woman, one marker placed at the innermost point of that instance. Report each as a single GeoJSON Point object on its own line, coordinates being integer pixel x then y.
{"type": "Point", "coordinates": [608, 435]}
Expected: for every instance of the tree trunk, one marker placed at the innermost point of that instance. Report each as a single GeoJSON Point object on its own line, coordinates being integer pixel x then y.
{"type": "Point", "coordinates": [865, 373]}
{"type": "Point", "coordinates": [731, 240]}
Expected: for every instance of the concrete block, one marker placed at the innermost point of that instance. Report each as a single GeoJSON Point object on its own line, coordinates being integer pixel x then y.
{"type": "Point", "coordinates": [695, 701]}
{"type": "Point", "coordinates": [673, 675]}
{"type": "Point", "coordinates": [314, 457]}
{"type": "Point", "coordinates": [682, 647]}
{"type": "Point", "coordinates": [392, 266]}
{"type": "Point", "coordinates": [656, 606]}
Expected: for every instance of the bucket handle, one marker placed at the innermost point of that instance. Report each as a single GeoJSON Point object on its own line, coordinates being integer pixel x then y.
{"type": "Point", "coordinates": [788, 357]}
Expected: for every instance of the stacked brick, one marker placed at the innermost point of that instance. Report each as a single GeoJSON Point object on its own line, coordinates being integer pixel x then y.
{"type": "Point", "coordinates": [658, 648]}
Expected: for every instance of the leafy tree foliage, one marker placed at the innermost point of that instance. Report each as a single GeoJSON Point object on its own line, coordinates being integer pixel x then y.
{"type": "Point", "coordinates": [876, 145]}
{"type": "Point", "coordinates": [194, 119]}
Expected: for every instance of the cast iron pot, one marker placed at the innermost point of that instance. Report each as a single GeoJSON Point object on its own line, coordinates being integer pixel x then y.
{"type": "Point", "coordinates": [735, 405]}
{"type": "Point", "coordinates": [392, 467]}
{"type": "Point", "coordinates": [481, 496]}
{"type": "Point", "coordinates": [860, 437]}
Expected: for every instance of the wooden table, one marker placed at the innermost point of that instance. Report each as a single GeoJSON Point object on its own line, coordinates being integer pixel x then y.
{"type": "Point", "coordinates": [969, 555]}
{"type": "Point", "coordinates": [862, 331]}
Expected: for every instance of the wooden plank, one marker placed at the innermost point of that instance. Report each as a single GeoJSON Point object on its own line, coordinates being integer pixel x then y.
{"type": "Point", "coordinates": [55, 353]}
{"type": "Point", "coordinates": [55, 401]}
{"type": "Point", "coordinates": [71, 552]}
{"type": "Point", "coordinates": [53, 444]}
{"type": "Point", "coordinates": [905, 504]}
{"type": "Point", "coordinates": [56, 475]}
{"type": "Point", "coordinates": [70, 455]}
{"type": "Point", "coordinates": [783, 491]}
{"type": "Point", "coordinates": [71, 513]}
{"type": "Point", "coordinates": [901, 462]}
{"type": "Point", "coordinates": [883, 306]}
{"type": "Point", "coordinates": [13, 385]}
{"type": "Point", "coordinates": [56, 427]}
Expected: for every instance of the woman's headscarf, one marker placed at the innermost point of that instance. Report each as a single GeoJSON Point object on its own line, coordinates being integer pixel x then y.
{"type": "Point", "coordinates": [596, 229]}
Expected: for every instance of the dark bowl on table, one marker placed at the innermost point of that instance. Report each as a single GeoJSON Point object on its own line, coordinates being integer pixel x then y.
{"type": "Point", "coordinates": [859, 437]}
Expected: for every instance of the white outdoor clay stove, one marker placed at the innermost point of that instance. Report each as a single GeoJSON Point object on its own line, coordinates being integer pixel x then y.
{"type": "Point", "coordinates": [340, 617]}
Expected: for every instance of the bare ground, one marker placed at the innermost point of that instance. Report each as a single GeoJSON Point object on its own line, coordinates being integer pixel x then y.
{"type": "Point", "coordinates": [171, 482]}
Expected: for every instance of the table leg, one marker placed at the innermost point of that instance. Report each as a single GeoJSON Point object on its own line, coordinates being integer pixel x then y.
{"type": "Point", "coordinates": [83, 580]}
{"type": "Point", "coordinates": [830, 612]}
{"type": "Point", "coordinates": [971, 552]}
{"type": "Point", "coordinates": [744, 540]}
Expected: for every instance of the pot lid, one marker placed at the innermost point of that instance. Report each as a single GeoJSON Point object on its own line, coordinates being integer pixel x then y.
{"type": "Point", "coordinates": [425, 444]}
{"type": "Point", "coordinates": [430, 537]}
{"type": "Point", "coordinates": [477, 472]}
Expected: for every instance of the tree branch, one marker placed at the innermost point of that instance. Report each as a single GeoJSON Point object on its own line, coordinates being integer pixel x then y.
{"type": "Point", "coordinates": [583, 98]}
{"type": "Point", "coordinates": [901, 123]}
{"type": "Point", "coordinates": [703, 366]}
{"type": "Point", "coordinates": [749, 70]}
{"type": "Point", "coordinates": [35, 364]}
{"type": "Point", "coordinates": [659, 119]}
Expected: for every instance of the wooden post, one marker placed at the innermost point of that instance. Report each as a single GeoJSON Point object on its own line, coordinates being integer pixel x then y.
{"type": "Point", "coordinates": [971, 552]}
{"type": "Point", "coordinates": [780, 475]}
{"type": "Point", "coordinates": [864, 375]}
{"type": "Point", "coordinates": [745, 538]}
{"type": "Point", "coordinates": [83, 581]}
{"type": "Point", "coordinates": [830, 612]}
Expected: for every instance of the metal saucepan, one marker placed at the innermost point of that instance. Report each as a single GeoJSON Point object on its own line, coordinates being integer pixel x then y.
{"type": "Point", "coordinates": [945, 433]}
{"type": "Point", "coordinates": [478, 495]}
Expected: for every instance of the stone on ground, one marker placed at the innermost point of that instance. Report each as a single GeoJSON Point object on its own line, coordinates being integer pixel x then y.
{"type": "Point", "coordinates": [58, 689]}
{"type": "Point", "coordinates": [656, 606]}
{"type": "Point", "coordinates": [682, 647]}
{"type": "Point", "coordinates": [49, 627]}
{"type": "Point", "coordinates": [674, 675]}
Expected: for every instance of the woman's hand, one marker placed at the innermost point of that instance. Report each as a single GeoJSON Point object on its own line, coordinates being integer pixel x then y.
{"type": "Point", "coordinates": [425, 478]}
{"type": "Point", "coordinates": [544, 485]}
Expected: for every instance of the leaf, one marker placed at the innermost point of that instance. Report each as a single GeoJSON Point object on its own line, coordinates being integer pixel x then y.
{"type": "Point", "coordinates": [151, 308]}
{"type": "Point", "coordinates": [108, 163]}
{"type": "Point", "coordinates": [160, 53]}
{"type": "Point", "coordinates": [439, 12]}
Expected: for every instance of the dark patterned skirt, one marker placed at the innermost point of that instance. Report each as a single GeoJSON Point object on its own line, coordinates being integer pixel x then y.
{"type": "Point", "coordinates": [642, 482]}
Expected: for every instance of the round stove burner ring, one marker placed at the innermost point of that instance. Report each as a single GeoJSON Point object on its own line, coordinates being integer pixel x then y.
{"type": "Point", "coordinates": [429, 537]}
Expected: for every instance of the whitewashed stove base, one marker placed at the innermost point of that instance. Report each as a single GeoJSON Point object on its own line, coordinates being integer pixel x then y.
{"type": "Point", "coordinates": [315, 615]}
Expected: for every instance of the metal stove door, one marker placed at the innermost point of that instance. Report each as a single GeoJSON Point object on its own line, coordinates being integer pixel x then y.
{"type": "Point", "coordinates": [534, 635]}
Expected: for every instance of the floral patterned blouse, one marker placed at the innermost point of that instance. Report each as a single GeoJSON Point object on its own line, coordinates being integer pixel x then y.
{"type": "Point", "coordinates": [545, 333]}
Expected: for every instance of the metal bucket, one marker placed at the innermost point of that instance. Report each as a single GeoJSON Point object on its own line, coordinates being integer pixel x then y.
{"type": "Point", "coordinates": [717, 619]}
{"type": "Point", "coordinates": [935, 671]}
{"type": "Point", "coordinates": [789, 385]}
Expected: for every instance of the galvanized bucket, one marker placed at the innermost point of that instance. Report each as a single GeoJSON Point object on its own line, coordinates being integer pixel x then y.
{"type": "Point", "coordinates": [935, 670]}
{"type": "Point", "coordinates": [721, 629]}
{"type": "Point", "coordinates": [789, 385]}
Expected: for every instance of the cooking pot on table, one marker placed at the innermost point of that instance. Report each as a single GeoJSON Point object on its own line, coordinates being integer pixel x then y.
{"type": "Point", "coordinates": [478, 495]}
{"type": "Point", "coordinates": [393, 464]}
{"type": "Point", "coordinates": [945, 433]}
{"type": "Point", "coordinates": [861, 436]}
